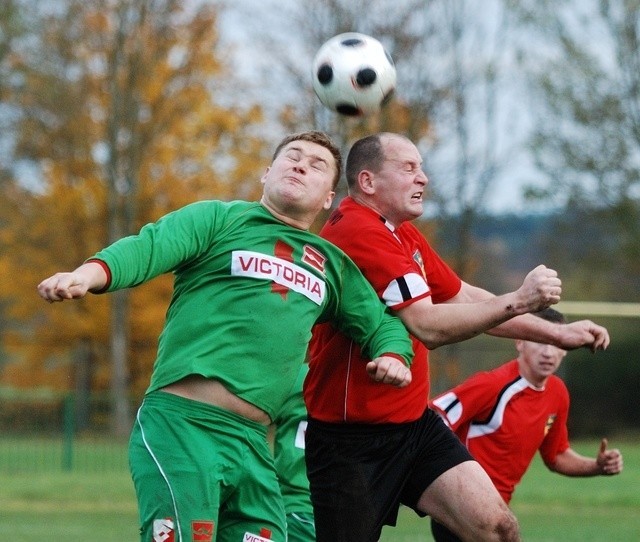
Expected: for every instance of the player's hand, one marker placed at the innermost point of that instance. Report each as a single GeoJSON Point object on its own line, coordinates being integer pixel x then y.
{"type": "Point", "coordinates": [389, 370]}
{"type": "Point", "coordinates": [540, 289]}
{"type": "Point", "coordinates": [583, 333]}
{"type": "Point", "coordinates": [609, 461]}
{"type": "Point", "coordinates": [63, 286]}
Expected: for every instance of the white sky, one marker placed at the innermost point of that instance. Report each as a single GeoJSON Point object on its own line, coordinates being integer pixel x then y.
{"type": "Point", "coordinates": [505, 195]}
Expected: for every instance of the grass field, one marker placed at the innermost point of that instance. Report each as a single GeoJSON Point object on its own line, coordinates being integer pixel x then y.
{"type": "Point", "coordinates": [77, 507]}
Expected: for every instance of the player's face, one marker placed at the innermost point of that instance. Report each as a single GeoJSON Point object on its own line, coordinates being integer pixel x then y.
{"type": "Point", "coordinates": [538, 361]}
{"type": "Point", "coordinates": [299, 182]}
{"type": "Point", "coordinates": [400, 184]}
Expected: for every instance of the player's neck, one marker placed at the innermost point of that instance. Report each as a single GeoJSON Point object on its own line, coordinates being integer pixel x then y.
{"type": "Point", "coordinates": [365, 202]}
{"type": "Point", "coordinates": [536, 382]}
{"type": "Point", "coordinates": [300, 222]}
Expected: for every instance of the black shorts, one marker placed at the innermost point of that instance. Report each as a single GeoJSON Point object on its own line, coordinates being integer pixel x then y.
{"type": "Point", "coordinates": [359, 474]}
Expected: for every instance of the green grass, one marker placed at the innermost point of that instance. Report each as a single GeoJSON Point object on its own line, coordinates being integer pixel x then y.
{"type": "Point", "coordinates": [47, 454]}
{"type": "Point", "coordinates": [554, 508]}
{"type": "Point", "coordinates": [78, 506]}
{"type": "Point", "coordinates": [73, 507]}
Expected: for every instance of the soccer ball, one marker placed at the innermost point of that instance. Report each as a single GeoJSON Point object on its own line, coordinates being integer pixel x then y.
{"type": "Point", "coordinates": [353, 74]}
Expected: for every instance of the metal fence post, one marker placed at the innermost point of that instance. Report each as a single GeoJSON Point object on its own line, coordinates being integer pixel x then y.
{"type": "Point", "coordinates": [69, 426]}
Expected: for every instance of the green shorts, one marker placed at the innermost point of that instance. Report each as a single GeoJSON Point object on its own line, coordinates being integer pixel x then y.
{"type": "Point", "coordinates": [202, 473]}
{"type": "Point", "coordinates": [300, 527]}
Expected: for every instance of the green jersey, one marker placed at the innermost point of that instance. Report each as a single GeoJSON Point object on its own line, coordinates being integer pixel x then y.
{"type": "Point", "coordinates": [248, 290]}
{"type": "Point", "coordinates": [288, 448]}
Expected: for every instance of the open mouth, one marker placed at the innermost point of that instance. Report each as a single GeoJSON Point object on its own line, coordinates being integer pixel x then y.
{"type": "Point", "coordinates": [417, 196]}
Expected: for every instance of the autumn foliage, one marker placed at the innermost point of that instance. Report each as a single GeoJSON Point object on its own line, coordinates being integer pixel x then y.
{"type": "Point", "coordinates": [118, 114]}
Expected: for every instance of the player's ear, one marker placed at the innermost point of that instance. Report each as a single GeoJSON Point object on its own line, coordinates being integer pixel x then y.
{"type": "Point", "coordinates": [329, 200]}
{"type": "Point", "coordinates": [365, 182]}
{"type": "Point", "coordinates": [264, 175]}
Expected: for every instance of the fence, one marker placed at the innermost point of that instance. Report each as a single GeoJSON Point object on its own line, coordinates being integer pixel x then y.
{"type": "Point", "coordinates": [39, 432]}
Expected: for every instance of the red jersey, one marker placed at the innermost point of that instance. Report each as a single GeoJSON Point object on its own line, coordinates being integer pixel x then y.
{"type": "Point", "coordinates": [402, 268]}
{"type": "Point", "coordinates": [503, 420]}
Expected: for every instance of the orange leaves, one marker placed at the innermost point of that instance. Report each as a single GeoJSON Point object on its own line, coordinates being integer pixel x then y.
{"type": "Point", "coordinates": [121, 117]}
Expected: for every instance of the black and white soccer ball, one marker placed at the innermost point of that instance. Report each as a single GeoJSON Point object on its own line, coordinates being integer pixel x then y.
{"type": "Point", "coordinates": [353, 74]}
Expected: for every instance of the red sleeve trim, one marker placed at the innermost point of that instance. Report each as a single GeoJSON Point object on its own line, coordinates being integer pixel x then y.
{"type": "Point", "coordinates": [107, 271]}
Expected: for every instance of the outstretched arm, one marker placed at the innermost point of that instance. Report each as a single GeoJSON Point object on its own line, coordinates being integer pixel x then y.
{"type": "Point", "coordinates": [90, 276]}
{"type": "Point", "coordinates": [607, 462]}
{"type": "Point", "coordinates": [582, 333]}
{"type": "Point", "coordinates": [474, 311]}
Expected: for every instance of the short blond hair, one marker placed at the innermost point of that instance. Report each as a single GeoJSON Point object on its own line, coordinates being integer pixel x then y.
{"type": "Point", "coordinates": [320, 138]}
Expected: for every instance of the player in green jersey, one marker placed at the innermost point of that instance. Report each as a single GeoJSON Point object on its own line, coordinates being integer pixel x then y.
{"type": "Point", "coordinates": [288, 449]}
{"type": "Point", "coordinates": [250, 282]}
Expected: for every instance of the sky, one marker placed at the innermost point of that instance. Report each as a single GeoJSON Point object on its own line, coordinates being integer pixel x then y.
{"type": "Point", "coordinates": [505, 196]}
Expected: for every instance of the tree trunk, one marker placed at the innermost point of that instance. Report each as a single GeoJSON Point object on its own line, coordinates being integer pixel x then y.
{"type": "Point", "coordinates": [83, 369]}
{"type": "Point", "coordinates": [121, 411]}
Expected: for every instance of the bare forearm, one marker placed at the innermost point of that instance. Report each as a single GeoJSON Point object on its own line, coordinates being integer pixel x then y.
{"type": "Point", "coordinates": [571, 463]}
{"type": "Point", "coordinates": [522, 326]}
{"type": "Point", "coordinates": [527, 327]}
{"type": "Point", "coordinates": [474, 310]}
{"type": "Point", "coordinates": [94, 275]}
{"type": "Point", "coordinates": [446, 323]}
{"type": "Point", "coordinates": [578, 334]}
{"type": "Point", "coordinates": [607, 462]}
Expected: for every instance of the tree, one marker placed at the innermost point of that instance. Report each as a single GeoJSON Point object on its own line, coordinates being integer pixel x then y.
{"type": "Point", "coordinates": [453, 97]}
{"type": "Point", "coordinates": [281, 61]}
{"type": "Point", "coordinates": [583, 65]}
{"type": "Point", "coordinates": [119, 115]}
{"type": "Point", "coordinates": [12, 29]}
{"type": "Point", "coordinates": [453, 73]}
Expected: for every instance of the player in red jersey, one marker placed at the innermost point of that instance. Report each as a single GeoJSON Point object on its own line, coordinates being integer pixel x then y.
{"type": "Point", "coordinates": [370, 449]}
{"type": "Point", "coordinates": [505, 415]}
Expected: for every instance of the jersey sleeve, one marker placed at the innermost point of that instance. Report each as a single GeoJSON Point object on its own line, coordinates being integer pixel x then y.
{"type": "Point", "coordinates": [443, 281]}
{"type": "Point", "coordinates": [399, 273]}
{"type": "Point", "coordinates": [386, 265]}
{"type": "Point", "coordinates": [161, 246]}
{"type": "Point", "coordinates": [472, 400]}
